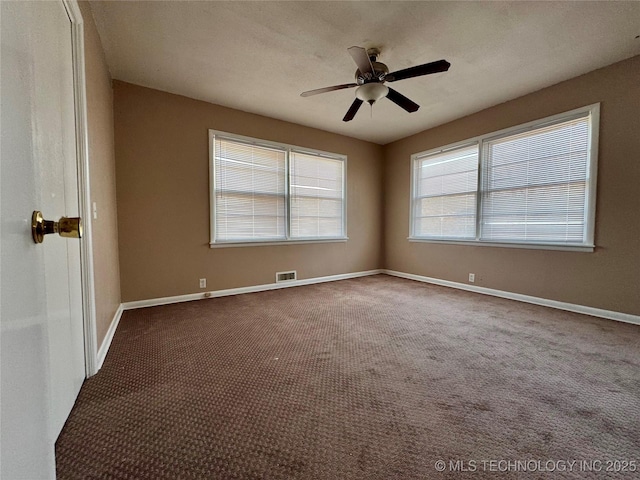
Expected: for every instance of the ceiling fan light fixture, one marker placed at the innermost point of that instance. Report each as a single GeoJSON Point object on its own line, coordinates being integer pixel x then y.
{"type": "Point", "coordinates": [370, 78]}
{"type": "Point", "coordinates": [372, 92]}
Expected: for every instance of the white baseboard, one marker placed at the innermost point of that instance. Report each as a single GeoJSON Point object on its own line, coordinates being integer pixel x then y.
{"type": "Point", "coordinates": [106, 342]}
{"type": "Point", "coordinates": [571, 307]}
{"type": "Point", "coordinates": [596, 312]}
{"type": "Point", "coordinates": [237, 291]}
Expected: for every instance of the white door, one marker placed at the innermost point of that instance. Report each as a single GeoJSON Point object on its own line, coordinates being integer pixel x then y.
{"type": "Point", "coordinates": [41, 335]}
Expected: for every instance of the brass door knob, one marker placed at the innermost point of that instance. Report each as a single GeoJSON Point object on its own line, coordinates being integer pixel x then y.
{"type": "Point", "coordinates": [69, 227]}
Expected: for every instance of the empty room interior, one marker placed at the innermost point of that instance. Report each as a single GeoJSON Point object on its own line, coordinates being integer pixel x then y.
{"type": "Point", "coordinates": [328, 240]}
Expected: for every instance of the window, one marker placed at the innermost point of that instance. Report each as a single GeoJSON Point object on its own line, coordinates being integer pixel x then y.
{"type": "Point", "coordinates": [532, 185]}
{"type": "Point", "coordinates": [445, 194]}
{"type": "Point", "coordinates": [249, 191]}
{"type": "Point", "coordinates": [316, 196]}
{"type": "Point", "coordinates": [264, 192]}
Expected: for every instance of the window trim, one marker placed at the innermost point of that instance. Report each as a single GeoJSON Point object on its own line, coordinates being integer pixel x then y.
{"type": "Point", "coordinates": [288, 240]}
{"type": "Point", "coordinates": [592, 111]}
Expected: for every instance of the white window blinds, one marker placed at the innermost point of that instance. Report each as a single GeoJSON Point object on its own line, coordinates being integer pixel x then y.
{"type": "Point", "coordinates": [534, 185]}
{"type": "Point", "coordinates": [317, 195]}
{"type": "Point", "coordinates": [263, 192]}
{"type": "Point", "coordinates": [445, 194]}
{"type": "Point", "coordinates": [249, 191]}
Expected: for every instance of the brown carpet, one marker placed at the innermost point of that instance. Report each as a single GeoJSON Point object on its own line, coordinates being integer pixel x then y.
{"type": "Point", "coordinates": [370, 378]}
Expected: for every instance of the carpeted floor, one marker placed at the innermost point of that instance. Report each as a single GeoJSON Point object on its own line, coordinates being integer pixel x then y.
{"type": "Point", "coordinates": [370, 378]}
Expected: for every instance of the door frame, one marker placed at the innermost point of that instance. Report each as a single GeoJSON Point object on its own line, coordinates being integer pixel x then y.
{"type": "Point", "coordinates": [84, 193]}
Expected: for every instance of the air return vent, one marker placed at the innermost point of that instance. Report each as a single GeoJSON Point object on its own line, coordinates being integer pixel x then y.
{"type": "Point", "coordinates": [285, 276]}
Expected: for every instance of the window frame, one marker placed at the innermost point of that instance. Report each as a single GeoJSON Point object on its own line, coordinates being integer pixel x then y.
{"type": "Point", "coordinates": [591, 111]}
{"type": "Point", "coordinates": [288, 240]}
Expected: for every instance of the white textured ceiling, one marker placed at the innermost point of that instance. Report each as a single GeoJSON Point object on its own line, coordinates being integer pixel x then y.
{"type": "Point", "coordinates": [259, 56]}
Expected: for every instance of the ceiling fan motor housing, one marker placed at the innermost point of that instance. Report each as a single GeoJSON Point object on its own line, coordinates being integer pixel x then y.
{"type": "Point", "coordinates": [380, 71]}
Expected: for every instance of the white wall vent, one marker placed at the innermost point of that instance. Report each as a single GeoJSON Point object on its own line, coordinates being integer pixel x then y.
{"type": "Point", "coordinates": [285, 276]}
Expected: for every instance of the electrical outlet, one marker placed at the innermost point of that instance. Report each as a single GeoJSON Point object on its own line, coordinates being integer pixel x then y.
{"type": "Point", "coordinates": [472, 277]}
{"type": "Point", "coordinates": [203, 283]}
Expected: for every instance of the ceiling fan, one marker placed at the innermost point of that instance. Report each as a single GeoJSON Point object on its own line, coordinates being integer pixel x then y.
{"type": "Point", "coordinates": [371, 76]}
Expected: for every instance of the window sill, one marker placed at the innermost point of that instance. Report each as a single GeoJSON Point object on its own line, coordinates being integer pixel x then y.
{"type": "Point", "coordinates": [276, 242]}
{"type": "Point", "coordinates": [530, 246]}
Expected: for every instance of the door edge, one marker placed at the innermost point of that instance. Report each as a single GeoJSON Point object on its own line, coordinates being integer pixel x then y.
{"type": "Point", "coordinates": [84, 192]}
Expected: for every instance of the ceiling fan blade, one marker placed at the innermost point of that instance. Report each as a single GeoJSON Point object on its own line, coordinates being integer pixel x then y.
{"type": "Point", "coordinates": [353, 109]}
{"type": "Point", "coordinates": [328, 89]}
{"type": "Point", "coordinates": [361, 58]}
{"type": "Point", "coordinates": [402, 101]}
{"type": "Point", "coordinates": [418, 70]}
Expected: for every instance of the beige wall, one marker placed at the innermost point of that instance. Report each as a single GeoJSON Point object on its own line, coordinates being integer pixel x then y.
{"type": "Point", "coordinates": [102, 177]}
{"type": "Point", "coordinates": [609, 278]}
{"type": "Point", "coordinates": [163, 199]}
